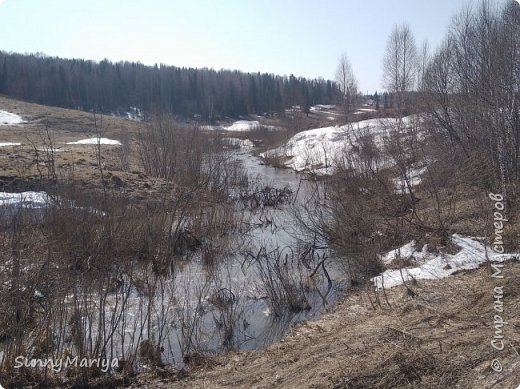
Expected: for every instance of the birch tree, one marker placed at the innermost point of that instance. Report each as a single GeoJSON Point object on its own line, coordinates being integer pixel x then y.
{"type": "Point", "coordinates": [400, 64]}
{"type": "Point", "coordinates": [347, 83]}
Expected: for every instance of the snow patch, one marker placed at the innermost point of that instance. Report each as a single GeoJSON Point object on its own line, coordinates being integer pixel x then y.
{"type": "Point", "coordinates": [95, 141]}
{"type": "Point", "coordinates": [7, 144]}
{"type": "Point", "coordinates": [402, 252]}
{"type": "Point", "coordinates": [11, 203]}
{"type": "Point", "coordinates": [364, 110]}
{"type": "Point", "coordinates": [319, 150]}
{"type": "Point", "coordinates": [238, 126]}
{"type": "Point", "coordinates": [7, 118]}
{"type": "Point", "coordinates": [243, 125]}
{"type": "Point", "coordinates": [472, 254]}
{"type": "Point", "coordinates": [49, 150]}
{"type": "Point", "coordinates": [322, 107]}
{"type": "Point", "coordinates": [35, 200]}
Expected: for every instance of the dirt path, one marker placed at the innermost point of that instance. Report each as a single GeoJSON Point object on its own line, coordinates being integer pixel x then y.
{"type": "Point", "coordinates": [438, 339]}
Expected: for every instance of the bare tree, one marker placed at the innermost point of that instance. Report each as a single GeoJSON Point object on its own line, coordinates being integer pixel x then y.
{"type": "Point", "coordinates": [473, 83]}
{"type": "Point", "coordinates": [423, 60]}
{"type": "Point", "coordinates": [400, 64]}
{"type": "Point", "coordinates": [347, 83]}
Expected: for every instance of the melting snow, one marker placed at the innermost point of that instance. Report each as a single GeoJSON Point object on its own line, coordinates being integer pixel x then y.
{"type": "Point", "coordinates": [10, 203]}
{"type": "Point", "coordinates": [243, 125]}
{"type": "Point", "coordinates": [402, 252]}
{"type": "Point", "coordinates": [7, 144]}
{"type": "Point", "coordinates": [95, 141]}
{"type": "Point", "coordinates": [321, 107]}
{"type": "Point", "coordinates": [210, 128]}
{"type": "Point", "coordinates": [33, 200]}
{"type": "Point", "coordinates": [7, 118]}
{"type": "Point", "coordinates": [318, 150]}
{"type": "Point", "coordinates": [238, 126]}
{"type": "Point", "coordinates": [473, 253]}
{"type": "Point", "coordinates": [364, 110]}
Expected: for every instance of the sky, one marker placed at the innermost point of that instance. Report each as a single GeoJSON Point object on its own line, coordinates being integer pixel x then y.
{"type": "Point", "coordinates": [300, 37]}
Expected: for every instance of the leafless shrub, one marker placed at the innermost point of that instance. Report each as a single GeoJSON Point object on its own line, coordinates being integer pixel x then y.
{"type": "Point", "coordinates": [472, 87]}
{"type": "Point", "coordinates": [282, 278]}
{"type": "Point", "coordinates": [265, 196]}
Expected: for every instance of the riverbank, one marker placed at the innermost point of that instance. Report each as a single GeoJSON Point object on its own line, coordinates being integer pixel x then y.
{"type": "Point", "coordinates": [440, 338]}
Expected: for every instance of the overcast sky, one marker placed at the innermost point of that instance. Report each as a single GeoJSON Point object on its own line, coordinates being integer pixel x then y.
{"type": "Point", "coordinates": [299, 37]}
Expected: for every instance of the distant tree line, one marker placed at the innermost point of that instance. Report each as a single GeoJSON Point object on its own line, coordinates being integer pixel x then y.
{"type": "Point", "coordinates": [115, 87]}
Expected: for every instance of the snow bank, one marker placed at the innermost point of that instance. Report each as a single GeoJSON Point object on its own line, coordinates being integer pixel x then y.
{"type": "Point", "coordinates": [7, 118]}
{"type": "Point", "coordinates": [95, 141]}
{"type": "Point", "coordinates": [472, 254]}
{"type": "Point", "coordinates": [7, 144]}
{"type": "Point", "coordinates": [320, 149]}
{"type": "Point", "coordinates": [322, 107]}
{"type": "Point", "coordinates": [35, 200]}
{"type": "Point", "coordinates": [243, 125]}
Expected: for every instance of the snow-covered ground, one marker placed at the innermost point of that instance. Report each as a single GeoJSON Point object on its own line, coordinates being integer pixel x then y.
{"type": "Point", "coordinates": [472, 254]}
{"type": "Point", "coordinates": [364, 110]}
{"type": "Point", "coordinates": [37, 202]}
{"type": "Point", "coordinates": [31, 204]}
{"type": "Point", "coordinates": [95, 141]}
{"type": "Point", "coordinates": [321, 107]}
{"type": "Point", "coordinates": [402, 252]}
{"type": "Point", "coordinates": [49, 150]}
{"type": "Point", "coordinates": [7, 144]}
{"type": "Point", "coordinates": [211, 128]}
{"type": "Point", "coordinates": [243, 125]}
{"type": "Point", "coordinates": [320, 150]}
{"type": "Point", "coordinates": [238, 126]}
{"type": "Point", "coordinates": [7, 118]}
{"type": "Point", "coordinates": [33, 200]}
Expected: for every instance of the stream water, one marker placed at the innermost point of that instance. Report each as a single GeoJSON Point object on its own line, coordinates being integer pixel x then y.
{"type": "Point", "coordinates": [201, 310]}
{"type": "Point", "coordinates": [254, 324]}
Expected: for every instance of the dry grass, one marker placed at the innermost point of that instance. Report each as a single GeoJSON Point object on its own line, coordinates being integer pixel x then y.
{"type": "Point", "coordinates": [76, 164]}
